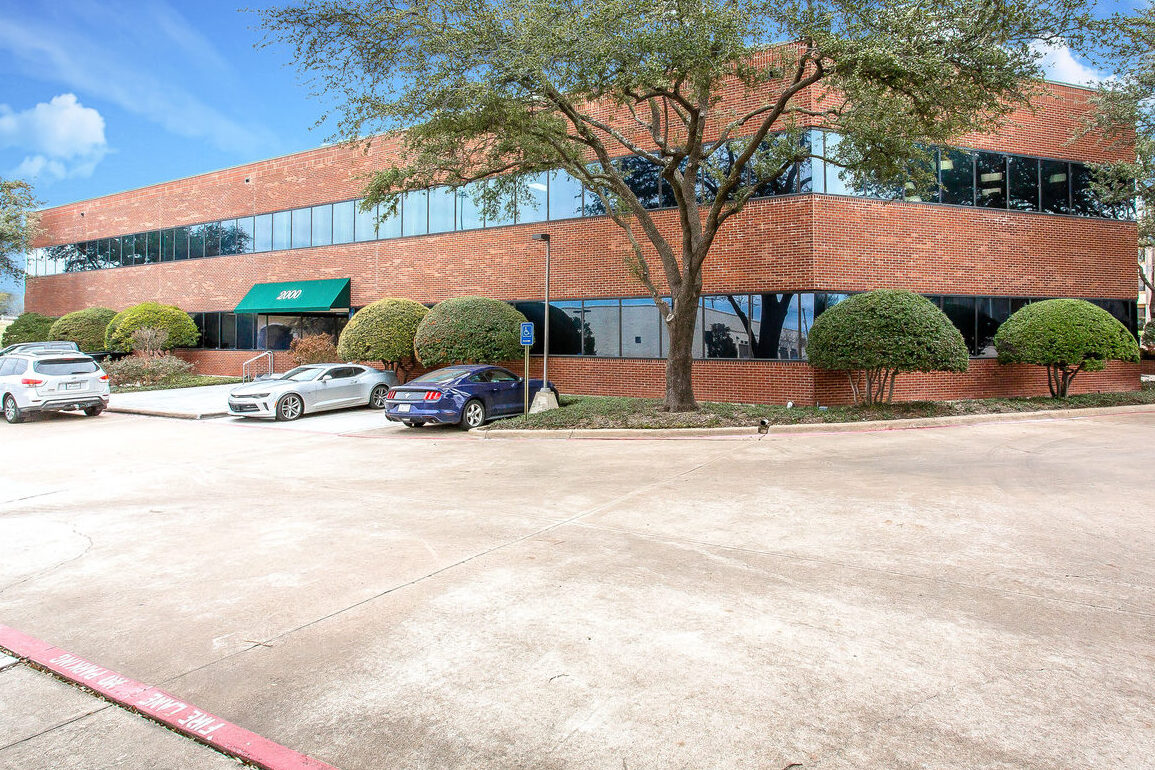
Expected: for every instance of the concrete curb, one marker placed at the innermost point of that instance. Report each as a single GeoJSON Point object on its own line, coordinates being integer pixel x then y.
{"type": "Point", "coordinates": [866, 426]}
{"type": "Point", "coordinates": [165, 413]}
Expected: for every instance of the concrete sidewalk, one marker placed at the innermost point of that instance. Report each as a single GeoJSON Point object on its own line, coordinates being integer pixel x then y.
{"type": "Point", "coordinates": [201, 403]}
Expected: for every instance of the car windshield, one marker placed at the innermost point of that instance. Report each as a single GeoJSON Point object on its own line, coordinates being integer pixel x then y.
{"type": "Point", "coordinates": [440, 376]}
{"type": "Point", "coordinates": [66, 366]}
{"type": "Point", "coordinates": [302, 373]}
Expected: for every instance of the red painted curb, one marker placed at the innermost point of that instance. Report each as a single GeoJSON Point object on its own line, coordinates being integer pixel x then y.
{"type": "Point", "coordinates": [157, 704]}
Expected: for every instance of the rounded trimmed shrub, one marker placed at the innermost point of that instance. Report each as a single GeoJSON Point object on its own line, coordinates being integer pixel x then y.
{"type": "Point", "coordinates": [383, 331]}
{"type": "Point", "coordinates": [28, 327]}
{"type": "Point", "coordinates": [1067, 336]}
{"type": "Point", "coordinates": [469, 330]}
{"type": "Point", "coordinates": [881, 333]}
{"type": "Point", "coordinates": [84, 327]}
{"type": "Point", "coordinates": [182, 332]}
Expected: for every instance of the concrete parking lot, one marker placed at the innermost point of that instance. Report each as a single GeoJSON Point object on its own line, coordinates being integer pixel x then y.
{"type": "Point", "coordinates": [972, 596]}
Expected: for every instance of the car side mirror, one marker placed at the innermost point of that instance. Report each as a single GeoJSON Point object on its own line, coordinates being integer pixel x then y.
{"type": "Point", "coordinates": [326, 377]}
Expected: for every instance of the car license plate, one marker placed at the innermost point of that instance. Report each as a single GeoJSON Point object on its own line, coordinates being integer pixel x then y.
{"type": "Point", "coordinates": [403, 407]}
{"type": "Point", "coordinates": [73, 385]}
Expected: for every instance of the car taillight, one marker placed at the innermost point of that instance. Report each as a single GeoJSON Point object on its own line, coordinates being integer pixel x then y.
{"type": "Point", "coordinates": [103, 378]}
{"type": "Point", "coordinates": [391, 394]}
{"type": "Point", "coordinates": [432, 395]}
{"type": "Point", "coordinates": [31, 382]}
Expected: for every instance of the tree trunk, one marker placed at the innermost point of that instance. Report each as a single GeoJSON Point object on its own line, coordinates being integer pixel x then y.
{"type": "Point", "coordinates": [680, 360]}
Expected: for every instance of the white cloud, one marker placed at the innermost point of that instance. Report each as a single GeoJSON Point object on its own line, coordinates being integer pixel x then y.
{"type": "Point", "coordinates": [115, 68]}
{"type": "Point", "coordinates": [63, 138]}
{"type": "Point", "coordinates": [1059, 63]}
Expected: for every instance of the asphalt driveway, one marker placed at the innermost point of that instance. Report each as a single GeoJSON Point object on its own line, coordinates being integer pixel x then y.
{"type": "Point", "coordinates": [976, 596]}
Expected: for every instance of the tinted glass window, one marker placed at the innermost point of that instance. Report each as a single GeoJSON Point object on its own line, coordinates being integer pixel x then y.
{"type": "Point", "coordinates": [641, 329]}
{"type": "Point", "coordinates": [282, 230]}
{"type": "Point", "coordinates": [343, 218]}
{"type": "Point", "coordinates": [838, 180]}
{"type": "Point", "coordinates": [263, 232]}
{"type": "Point", "coordinates": [726, 326]}
{"type": "Point", "coordinates": [961, 312]}
{"type": "Point", "coordinates": [227, 235]}
{"type": "Point", "coordinates": [322, 225]}
{"type": "Point", "coordinates": [603, 318]}
{"type": "Point", "coordinates": [774, 325]}
{"type": "Point", "coordinates": [1084, 201]}
{"type": "Point", "coordinates": [500, 375]}
{"type": "Point", "coordinates": [533, 203]}
{"type": "Point", "coordinates": [212, 236]}
{"type": "Point", "coordinates": [390, 226]}
{"type": "Point", "coordinates": [643, 178]}
{"type": "Point", "coordinates": [303, 373]}
{"type": "Point", "coordinates": [211, 336]}
{"type": "Point", "coordinates": [243, 236]}
{"type": "Point", "coordinates": [196, 242]}
{"type": "Point", "coordinates": [989, 315]}
{"type": "Point", "coordinates": [1056, 186]}
{"type": "Point", "coordinates": [1024, 184]}
{"type": "Point", "coordinates": [228, 323]}
{"type": "Point", "coordinates": [442, 205]}
{"type": "Point", "coordinates": [416, 213]}
{"type": "Point", "coordinates": [64, 367]}
{"type": "Point", "coordinates": [153, 247]}
{"type": "Point", "coordinates": [7, 367]}
{"type": "Point", "coordinates": [565, 196]}
{"type": "Point", "coordinates": [365, 223]}
{"type": "Point", "coordinates": [564, 334]}
{"type": "Point", "coordinates": [180, 243]}
{"type": "Point", "coordinates": [992, 179]}
{"type": "Point", "coordinates": [440, 376]}
{"type": "Point", "coordinates": [956, 175]}
{"type": "Point", "coordinates": [468, 214]}
{"type": "Point", "coordinates": [302, 228]}
{"type": "Point", "coordinates": [246, 331]}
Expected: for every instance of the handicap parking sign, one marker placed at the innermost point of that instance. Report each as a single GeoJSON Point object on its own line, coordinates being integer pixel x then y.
{"type": "Point", "coordinates": [527, 333]}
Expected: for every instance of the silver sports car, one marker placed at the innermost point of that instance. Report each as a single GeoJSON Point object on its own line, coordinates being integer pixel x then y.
{"type": "Point", "coordinates": [312, 388]}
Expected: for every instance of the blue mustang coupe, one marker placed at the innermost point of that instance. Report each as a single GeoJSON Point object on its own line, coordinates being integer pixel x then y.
{"type": "Point", "coordinates": [466, 395]}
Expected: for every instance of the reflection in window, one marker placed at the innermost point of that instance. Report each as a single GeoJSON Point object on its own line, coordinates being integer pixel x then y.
{"type": "Point", "coordinates": [576, 313]}
{"type": "Point", "coordinates": [603, 318]}
{"type": "Point", "coordinates": [774, 336]}
{"type": "Point", "coordinates": [263, 233]}
{"type": "Point", "coordinates": [1084, 202]}
{"type": "Point", "coordinates": [1056, 186]}
{"type": "Point", "coordinates": [196, 242]}
{"type": "Point", "coordinates": [726, 326]}
{"type": "Point", "coordinates": [805, 321]}
{"type": "Point", "coordinates": [838, 179]}
{"type": "Point", "coordinates": [343, 219]}
{"type": "Point", "coordinates": [565, 196]}
{"type": "Point", "coordinates": [416, 216]}
{"type": "Point", "coordinates": [211, 336]}
{"type": "Point", "coordinates": [502, 216]}
{"type": "Point", "coordinates": [322, 225]}
{"type": "Point", "coordinates": [246, 331]}
{"type": "Point", "coordinates": [442, 203]}
{"type": "Point", "coordinates": [228, 338]}
{"type": "Point", "coordinates": [961, 312]}
{"type": "Point", "coordinates": [641, 333]}
{"type": "Point", "coordinates": [992, 180]}
{"type": "Point", "coordinates": [565, 337]}
{"type": "Point", "coordinates": [1023, 183]}
{"type": "Point", "coordinates": [643, 178]}
{"type": "Point", "coordinates": [956, 176]}
{"type": "Point", "coordinates": [715, 171]}
{"type": "Point", "coordinates": [532, 205]}
{"type": "Point", "coordinates": [990, 314]}
{"type": "Point", "coordinates": [302, 227]}
{"type": "Point", "coordinates": [468, 213]}
{"type": "Point", "coordinates": [282, 230]}
{"type": "Point", "coordinates": [244, 236]}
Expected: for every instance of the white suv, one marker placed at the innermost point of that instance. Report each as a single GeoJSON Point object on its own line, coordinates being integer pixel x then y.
{"type": "Point", "coordinates": [51, 381]}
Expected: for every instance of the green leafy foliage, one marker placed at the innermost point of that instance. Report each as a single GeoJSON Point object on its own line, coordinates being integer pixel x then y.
{"type": "Point", "coordinates": [383, 331]}
{"type": "Point", "coordinates": [313, 349]}
{"type": "Point", "coordinates": [28, 327]}
{"type": "Point", "coordinates": [146, 370]}
{"type": "Point", "coordinates": [1066, 336]}
{"type": "Point", "coordinates": [182, 332]}
{"type": "Point", "coordinates": [84, 327]}
{"type": "Point", "coordinates": [486, 89]}
{"type": "Point", "coordinates": [1148, 338]}
{"type": "Point", "coordinates": [881, 333]}
{"type": "Point", "coordinates": [19, 225]}
{"type": "Point", "coordinates": [469, 330]}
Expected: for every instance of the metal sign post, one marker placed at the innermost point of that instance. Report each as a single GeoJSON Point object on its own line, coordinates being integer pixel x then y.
{"type": "Point", "coordinates": [526, 343]}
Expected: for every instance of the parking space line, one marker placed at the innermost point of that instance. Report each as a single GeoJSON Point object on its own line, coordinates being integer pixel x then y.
{"type": "Point", "coordinates": [157, 705]}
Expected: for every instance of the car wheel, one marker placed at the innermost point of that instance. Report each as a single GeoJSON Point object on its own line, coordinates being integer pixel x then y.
{"type": "Point", "coordinates": [92, 411]}
{"type": "Point", "coordinates": [378, 399]}
{"type": "Point", "coordinates": [290, 407]}
{"type": "Point", "coordinates": [412, 424]}
{"type": "Point", "coordinates": [12, 412]}
{"type": "Point", "coordinates": [473, 415]}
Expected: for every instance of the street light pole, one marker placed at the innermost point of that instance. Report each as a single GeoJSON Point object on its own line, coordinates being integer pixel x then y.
{"type": "Point", "coordinates": [544, 398]}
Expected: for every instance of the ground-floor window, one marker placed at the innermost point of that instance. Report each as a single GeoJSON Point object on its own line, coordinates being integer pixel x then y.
{"type": "Point", "coordinates": [251, 331]}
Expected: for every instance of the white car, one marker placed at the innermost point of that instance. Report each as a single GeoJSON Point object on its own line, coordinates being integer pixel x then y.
{"type": "Point", "coordinates": [51, 381]}
{"type": "Point", "coordinates": [312, 388]}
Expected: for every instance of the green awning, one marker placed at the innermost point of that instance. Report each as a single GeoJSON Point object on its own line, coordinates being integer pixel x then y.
{"type": "Point", "coordinates": [296, 297]}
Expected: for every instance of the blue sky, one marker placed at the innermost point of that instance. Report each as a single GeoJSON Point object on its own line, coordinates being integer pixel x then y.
{"type": "Point", "coordinates": [100, 96]}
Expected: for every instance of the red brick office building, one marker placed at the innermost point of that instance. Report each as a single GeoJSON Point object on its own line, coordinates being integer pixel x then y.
{"type": "Point", "coordinates": [1015, 222]}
